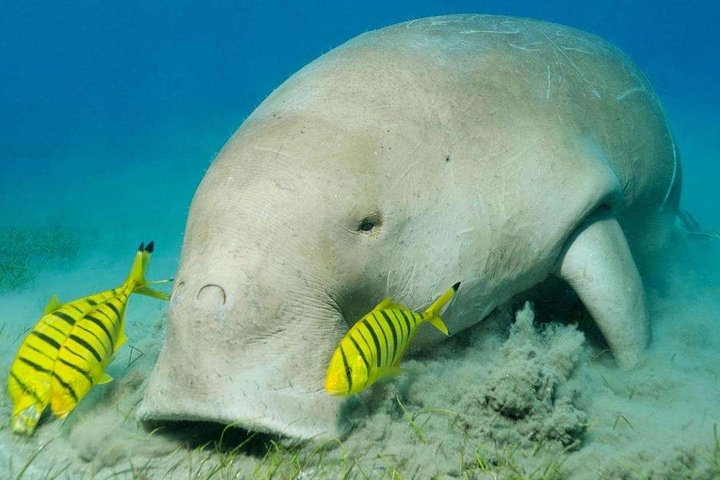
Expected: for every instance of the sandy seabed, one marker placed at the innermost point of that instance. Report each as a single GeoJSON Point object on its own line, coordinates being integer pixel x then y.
{"type": "Point", "coordinates": [524, 394]}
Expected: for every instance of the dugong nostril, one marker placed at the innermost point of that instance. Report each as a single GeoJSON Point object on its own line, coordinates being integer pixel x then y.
{"type": "Point", "coordinates": [179, 294]}
{"type": "Point", "coordinates": [211, 296]}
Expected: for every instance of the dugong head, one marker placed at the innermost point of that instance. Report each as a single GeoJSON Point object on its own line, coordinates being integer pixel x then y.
{"type": "Point", "coordinates": [281, 247]}
{"type": "Point", "coordinates": [315, 210]}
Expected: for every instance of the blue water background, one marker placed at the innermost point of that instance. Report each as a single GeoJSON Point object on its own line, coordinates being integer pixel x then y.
{"type": "Point", "coordinates": [111, 111]}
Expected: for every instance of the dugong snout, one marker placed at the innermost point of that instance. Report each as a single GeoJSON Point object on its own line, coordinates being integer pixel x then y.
{"type": "Point", "coordinates": [229, 357]}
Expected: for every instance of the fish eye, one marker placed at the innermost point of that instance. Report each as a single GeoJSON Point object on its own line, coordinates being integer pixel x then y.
{"type": "Point", "coordinates": [369, 223]}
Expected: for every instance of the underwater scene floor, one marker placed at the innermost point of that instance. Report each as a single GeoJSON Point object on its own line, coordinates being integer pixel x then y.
{"type": "Point", "coordinates": [517, 396]}
{"type": "Point", "coordinates": [522, 395]}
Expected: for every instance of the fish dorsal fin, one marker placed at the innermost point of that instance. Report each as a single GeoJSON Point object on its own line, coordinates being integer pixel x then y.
{"type": "Point", "coordinates": [385, 304]}
{"type": "Point", "coordinates": [388, 304]}
{"type": "Point", "coordinates": [399, 306]}
{"type": "Point", "coordinates": [104, 378]}
{"type": "Point", "coordinates": [53, 304]}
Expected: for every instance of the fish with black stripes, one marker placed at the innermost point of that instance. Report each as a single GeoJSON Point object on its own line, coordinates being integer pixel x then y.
{"type": "Point", "coordinates": [375, 345]}
{"type": "Point", "coordinates": [67, 352]}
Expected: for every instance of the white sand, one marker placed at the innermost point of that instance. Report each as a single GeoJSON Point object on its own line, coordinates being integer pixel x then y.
{"type": "Point", "coordinates": [522, 399]}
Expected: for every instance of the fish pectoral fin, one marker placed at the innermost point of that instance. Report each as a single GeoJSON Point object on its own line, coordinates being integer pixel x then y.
{"type": "Point", "coordinates": [62, 405]}
{"type": "Point", "coordinates": [104, 378]}
{"type": "Point", "coordinates": [153, 293]}
{"type": "Point", "coordinates": [53, 304]}
{"type": "Point", "coordinates": [390, 372]}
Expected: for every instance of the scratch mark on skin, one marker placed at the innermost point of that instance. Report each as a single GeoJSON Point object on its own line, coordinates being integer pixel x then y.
{"type": "Point", "coordinates": [434, 23]}
{"type": "Point", "coordinates": [547, 90]}
{"type": "Point", "coordinates": [674, 174]}
{"type": "Point", "coordinates": [276, 151]}
{"type": "Point", "coordinates": [575, 67]}
{"type": "Point", "coordinates": [465, 232]}
{"type": "Point", "coordinates": [629, 91]}
{"type": "Point", "coordinates": [387, 283]}
{"type": "Point", "coordinates": [574, 49]}
{"type": "Point", "coordinates": [525, 47]}
{"type": "Point", "coordinates": [504, 32]}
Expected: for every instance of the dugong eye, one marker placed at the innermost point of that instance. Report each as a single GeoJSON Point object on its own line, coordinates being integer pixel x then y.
{"type": "Point", "coordinates": [369, 223]}
{"type": "Point", "coordinates": [366, 225]}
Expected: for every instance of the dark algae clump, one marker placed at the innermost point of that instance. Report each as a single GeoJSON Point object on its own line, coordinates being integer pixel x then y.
{"type": "Point", "coordinates": [24, 251]}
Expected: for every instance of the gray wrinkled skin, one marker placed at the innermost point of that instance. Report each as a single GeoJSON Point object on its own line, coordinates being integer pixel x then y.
{"type": "Point", "coordinates": [494, 150]}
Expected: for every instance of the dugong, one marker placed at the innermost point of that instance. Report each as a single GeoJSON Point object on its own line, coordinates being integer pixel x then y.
{"type": "Point", "coordinates": [496, 151]}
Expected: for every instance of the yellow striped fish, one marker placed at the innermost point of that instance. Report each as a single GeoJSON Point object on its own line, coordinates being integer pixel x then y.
{"type": "Point", "coordinates": [68, 350]}
{"type": "Point", "coordinates": [374, 346]}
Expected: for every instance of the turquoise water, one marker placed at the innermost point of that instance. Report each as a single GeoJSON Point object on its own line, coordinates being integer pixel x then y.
{"type": "Point", "coordinates": [110, 115]}
{"type": "Point", "coordinates": [90, 92]}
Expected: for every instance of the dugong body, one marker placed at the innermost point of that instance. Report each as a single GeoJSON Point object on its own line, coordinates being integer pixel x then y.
{"type": "Point", "coordinates": [490, 150]}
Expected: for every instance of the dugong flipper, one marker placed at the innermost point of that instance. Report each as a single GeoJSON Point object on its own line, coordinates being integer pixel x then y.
{"type": "Point", "coordinates": [598, 265]}
{"type": "Point", "coordinates": [495, 151]}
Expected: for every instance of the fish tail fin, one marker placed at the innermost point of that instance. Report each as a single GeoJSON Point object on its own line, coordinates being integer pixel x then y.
{"type": "Point", "coordinates": [432, 314]}
{"type": "Point", "coordinates": [137, 273]}
{"type": "Point", "coordinates": [24, 422]}
{"type": "Point", "coordinates": [29, 403]}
